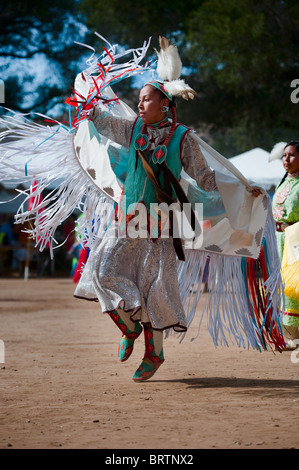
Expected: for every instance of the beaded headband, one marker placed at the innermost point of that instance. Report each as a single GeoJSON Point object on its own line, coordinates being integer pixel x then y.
{"type": "Point", "coordinates": [160, 86]}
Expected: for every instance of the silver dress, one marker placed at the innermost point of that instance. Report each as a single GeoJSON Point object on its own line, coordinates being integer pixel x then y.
{"type": "Point", "coordinates": [137, 274]}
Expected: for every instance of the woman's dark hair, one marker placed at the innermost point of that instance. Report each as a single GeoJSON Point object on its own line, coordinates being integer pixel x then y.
{"type": "Point", "coordinates": [293, 143]}
{"type": "Point", "coordinates": [172, 103]}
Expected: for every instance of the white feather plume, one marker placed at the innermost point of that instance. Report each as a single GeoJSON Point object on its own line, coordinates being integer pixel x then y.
{"type": "Point", "coordinates": [169, 69]}
{"type": "Point", "coordinates": [180, 88]}
{"type": "Point", "coordinates": [277, 151]}
{"type": "Point", "coordinates": [169, 66]}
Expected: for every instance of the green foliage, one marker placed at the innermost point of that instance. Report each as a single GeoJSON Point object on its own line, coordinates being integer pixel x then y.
{"type": "Point", "coordinates": [248, 48]}
{"type": "Point", "coordinates": [242, 56]}
{"type": "Point", "coordinates": [131, 22]}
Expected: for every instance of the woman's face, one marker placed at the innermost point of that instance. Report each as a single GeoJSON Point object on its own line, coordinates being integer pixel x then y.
{"type": "Point", "coordinates": [150, 104]}
{"type": "Point", "coordinates": [290, 159]}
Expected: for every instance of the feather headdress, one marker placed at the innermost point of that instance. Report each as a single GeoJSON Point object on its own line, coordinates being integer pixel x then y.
{"type": "Point", "coordinates": [277, 151]}
{"type": "Point", "coordinates": [169, 66]}
{"type": "Point", "coordinates": [169, 69]}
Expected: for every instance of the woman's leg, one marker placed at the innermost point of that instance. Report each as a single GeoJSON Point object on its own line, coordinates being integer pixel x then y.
{"type": "Point", "coordinates": [130, 331]}
{"type": "Point", "coordinates": [153, 356]}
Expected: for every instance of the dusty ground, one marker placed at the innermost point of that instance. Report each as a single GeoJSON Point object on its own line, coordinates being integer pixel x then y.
{"type": "Point", "coordinates": [63, 387]}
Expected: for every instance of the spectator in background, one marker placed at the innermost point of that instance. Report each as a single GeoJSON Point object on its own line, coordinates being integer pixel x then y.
{"type": "Point", "coordinates": [286, 214]}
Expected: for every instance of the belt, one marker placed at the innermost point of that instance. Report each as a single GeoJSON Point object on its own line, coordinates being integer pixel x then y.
{"type": "Point", "coordinates": [281, 226]}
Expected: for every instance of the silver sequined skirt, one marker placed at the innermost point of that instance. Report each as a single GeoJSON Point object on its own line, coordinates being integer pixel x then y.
{"type": "Point", "coordinates": [138, 275]}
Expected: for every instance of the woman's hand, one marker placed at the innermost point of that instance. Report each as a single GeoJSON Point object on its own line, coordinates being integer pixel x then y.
{"type": "Point", "coordinates": [255, 191]}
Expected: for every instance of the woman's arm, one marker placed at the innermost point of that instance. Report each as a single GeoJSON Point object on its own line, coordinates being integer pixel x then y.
{"type": "Point", "coordinates": [195, 164]}
{"type": "Point", "coordinates": [115, 128]}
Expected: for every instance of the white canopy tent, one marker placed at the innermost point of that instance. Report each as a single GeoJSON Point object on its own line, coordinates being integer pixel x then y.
{"type": "Point", "coordinates": [255, 166]}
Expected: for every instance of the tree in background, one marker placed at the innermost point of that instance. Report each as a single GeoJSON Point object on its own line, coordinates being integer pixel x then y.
{"type": "Point", "coordinates": [37, 51]}
{"type": "Point", "coordinates": [248, 50]}
{"type": "Point", "coordinates": [240, 55]}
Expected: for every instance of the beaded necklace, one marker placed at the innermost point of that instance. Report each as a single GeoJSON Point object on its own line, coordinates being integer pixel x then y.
{"type": "Point", "coordinates": [160, 152]}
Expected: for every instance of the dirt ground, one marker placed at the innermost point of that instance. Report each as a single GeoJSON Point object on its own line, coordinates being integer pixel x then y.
{"type": "Point", "coordinates": [62, 385]}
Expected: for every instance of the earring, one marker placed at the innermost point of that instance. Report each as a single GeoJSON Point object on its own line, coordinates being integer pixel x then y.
{"type": "Point", "coordinates": [164, 109]}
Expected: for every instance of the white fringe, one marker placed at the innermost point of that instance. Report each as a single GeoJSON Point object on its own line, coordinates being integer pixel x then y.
{"type": "Point", "coordinates": [226, 306]}
{"type": "Point", "coordinates": [33, 151]}
{"type": "Point", "coordinates": [45, 154]}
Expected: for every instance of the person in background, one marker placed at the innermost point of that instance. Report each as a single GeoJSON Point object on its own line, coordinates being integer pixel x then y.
{"type": "Point", "coordinates": [285, 206]}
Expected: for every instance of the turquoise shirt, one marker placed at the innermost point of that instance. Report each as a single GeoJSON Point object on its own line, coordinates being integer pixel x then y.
{"type": "Point", "coordinates": [137, 187]}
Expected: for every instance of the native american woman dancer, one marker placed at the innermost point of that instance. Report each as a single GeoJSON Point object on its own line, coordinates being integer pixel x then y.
{"type": "Point", "coordinates": [115, 165]}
